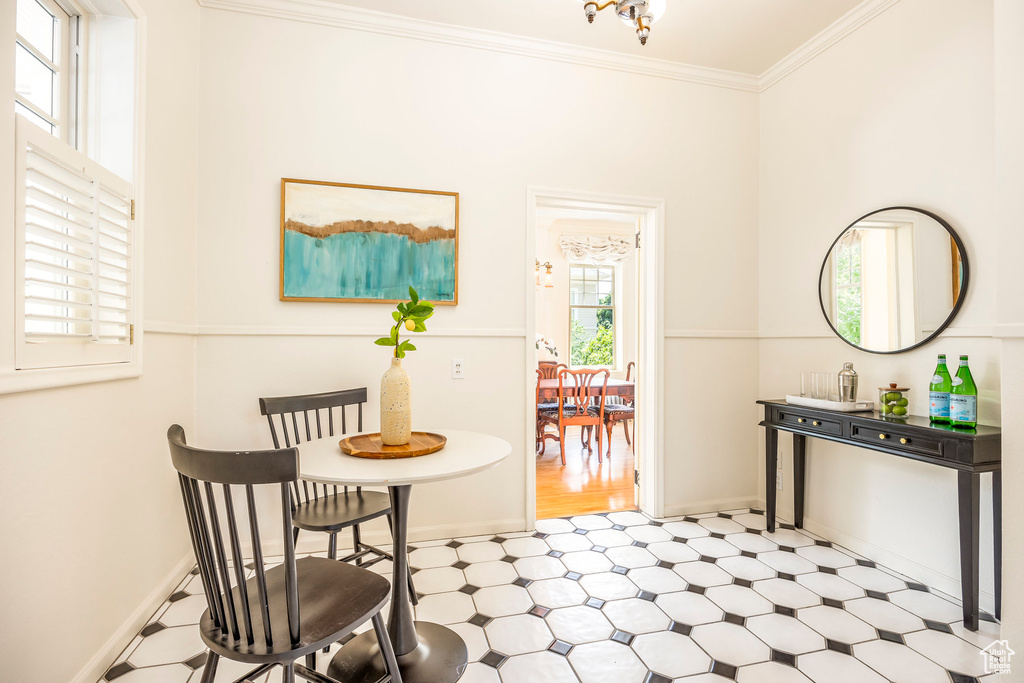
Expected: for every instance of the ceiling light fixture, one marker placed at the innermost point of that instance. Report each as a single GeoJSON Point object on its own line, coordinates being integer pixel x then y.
{"type": "Point", "coordinates": [639, 14]}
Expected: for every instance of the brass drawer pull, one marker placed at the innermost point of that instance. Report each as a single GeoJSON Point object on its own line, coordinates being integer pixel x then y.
{"type": "Point", "coordinates": [882, 436]}
{"type": "Point", "coordinates": [800, 419]}
{"type": "Point", "coordinates": [816, 423]}
{"type": "Point", "coordinates": [904, 440]}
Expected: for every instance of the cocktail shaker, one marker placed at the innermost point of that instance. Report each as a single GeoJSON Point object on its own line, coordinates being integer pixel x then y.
{"type": "Point", "coordinates": [848, 383]}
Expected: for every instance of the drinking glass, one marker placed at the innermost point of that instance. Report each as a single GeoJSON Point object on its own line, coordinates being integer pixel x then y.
{"type": "Point", "coordinates": [805, 384]}
{"type": "Point", "coordinates": [821, 385]}
{"type": "Point", "coordinates": [833, 386]}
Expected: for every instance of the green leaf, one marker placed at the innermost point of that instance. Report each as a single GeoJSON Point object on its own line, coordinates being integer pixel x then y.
{"type": "Point", "coordinates": [422, 311]}
{"type": "Point", "coordinates": [397, 316]}
{"type": "Point", "coordinates": [413, 295]}
{"type": "Point", "coordinates": [420, 327]}
{"type": "Point", "coordinates": [394, 334]}
{"type": "Point", "coordinates": [407, 346]}
{"type": "Point", "coordinates": [384, 341]}
{"type": "Point", "coordinates": [399, 353]}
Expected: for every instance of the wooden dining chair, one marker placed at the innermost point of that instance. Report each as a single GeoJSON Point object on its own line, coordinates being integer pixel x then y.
{"type": "Point", "coordinates": [545, 370]}
{"type": "Point", "coordinates": [621, 412]}
{"type": "Point", "coordinates": [576, 390]}
{"type": "Point", "coordinates": [319, 507]}
{"type": "Point", "coordinates": [281, 614]}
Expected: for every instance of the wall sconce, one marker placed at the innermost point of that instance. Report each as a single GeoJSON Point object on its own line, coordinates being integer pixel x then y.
{"type": "Point", "coordinates": [548, 281]}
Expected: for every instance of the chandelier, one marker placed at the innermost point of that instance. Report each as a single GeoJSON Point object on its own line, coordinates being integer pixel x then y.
{"type": "Point", "coordinates": [639, 14]}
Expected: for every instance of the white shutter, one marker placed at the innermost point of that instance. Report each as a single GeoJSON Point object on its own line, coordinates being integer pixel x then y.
{"type": "Point", "coordinates": [74, 256]}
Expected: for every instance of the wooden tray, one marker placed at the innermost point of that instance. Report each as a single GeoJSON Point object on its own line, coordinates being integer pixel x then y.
{"type": "Point", "coordinates": [370, 446]}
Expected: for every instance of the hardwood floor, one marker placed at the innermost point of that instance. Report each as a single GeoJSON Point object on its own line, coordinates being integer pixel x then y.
{"type": "Point", "coordinates": [583, 485]}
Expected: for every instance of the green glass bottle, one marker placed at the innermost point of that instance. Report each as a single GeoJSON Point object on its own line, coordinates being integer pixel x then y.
{"type": "Point", "coordinates": [938, 392]}
{"type": "Point", "coordinates": [963, 398]}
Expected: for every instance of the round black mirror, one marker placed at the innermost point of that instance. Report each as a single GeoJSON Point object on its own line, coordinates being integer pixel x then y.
{"type": "Point", "coordinates": [893, 280]}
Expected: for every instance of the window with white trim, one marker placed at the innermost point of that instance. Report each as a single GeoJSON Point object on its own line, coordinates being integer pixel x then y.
{"type": "Point", "coordinates": [75, 209]}
{"type": "Point", "coordinates": [592, 314]}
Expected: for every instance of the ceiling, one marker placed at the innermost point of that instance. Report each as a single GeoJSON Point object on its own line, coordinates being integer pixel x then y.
{"type": "Point", "coordinates": [748, 36]}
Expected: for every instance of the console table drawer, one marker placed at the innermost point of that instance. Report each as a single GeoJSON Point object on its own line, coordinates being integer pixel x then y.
{"type": "Point", "coordinates": [897, 440]}
{"type": "Point", "coordinates": [811, 424]}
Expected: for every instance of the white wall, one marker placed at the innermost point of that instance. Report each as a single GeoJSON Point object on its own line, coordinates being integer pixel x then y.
{"type": "Point", "coordinates": [898, 113]}
{"type": "Point", "coordinates": [286, 99]}
{"type": "Point", "coordinates": [93, 529]}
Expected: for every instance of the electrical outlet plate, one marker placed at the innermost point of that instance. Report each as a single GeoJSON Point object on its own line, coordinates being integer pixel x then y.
{"type": "Point", "coordinates": [457, 371]}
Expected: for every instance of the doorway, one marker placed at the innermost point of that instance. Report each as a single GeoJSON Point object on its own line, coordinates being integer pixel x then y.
{"type": "Point", "coordinates": [592, 306]}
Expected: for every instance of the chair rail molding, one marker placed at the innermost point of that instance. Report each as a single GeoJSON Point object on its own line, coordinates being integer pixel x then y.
{"type": "Point", "coordinates": [333, 14]}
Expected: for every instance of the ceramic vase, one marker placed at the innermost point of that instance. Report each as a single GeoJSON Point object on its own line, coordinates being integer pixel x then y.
{"type": "Point", "coordinates": [395, 408]}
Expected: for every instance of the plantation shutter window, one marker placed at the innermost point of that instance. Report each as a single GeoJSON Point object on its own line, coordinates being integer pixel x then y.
{"type": "Point", "coordinates": [74, 257]}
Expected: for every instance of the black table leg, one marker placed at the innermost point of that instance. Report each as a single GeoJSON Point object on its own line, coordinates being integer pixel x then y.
{"type": "Point", "coordinates": [771, 462]}
{"type": "Point", "coordinates": [426, 652]}
{"type": "Point", "coordinates": [968, 494]}
{"type": "Point", "coordinates": [997, 538]}
{"type": "Point", "coordinates": [799, 470]}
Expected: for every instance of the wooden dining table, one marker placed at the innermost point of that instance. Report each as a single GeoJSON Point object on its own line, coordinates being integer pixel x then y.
{"type": "Point", "coordinates": [625, 389]}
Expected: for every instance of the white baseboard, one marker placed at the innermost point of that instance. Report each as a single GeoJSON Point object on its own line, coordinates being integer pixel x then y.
{"type": "Point", "coordinates": [677, 509]}
{"type": "Point", "coordinates": [942, 582]}
{"type": "Point", "coordinates": [101, 661]}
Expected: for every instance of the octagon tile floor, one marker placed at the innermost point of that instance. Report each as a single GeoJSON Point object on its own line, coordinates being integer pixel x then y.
{"type": "Point", "coordinates": [621, 598]}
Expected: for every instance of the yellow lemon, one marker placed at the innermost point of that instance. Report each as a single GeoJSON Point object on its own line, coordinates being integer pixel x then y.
{"type": "Point", "coordinates": [410, 325]}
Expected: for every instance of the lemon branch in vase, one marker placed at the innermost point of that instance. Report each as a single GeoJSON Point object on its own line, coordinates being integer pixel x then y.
{"type": "Point", "coordinates": [395, 404]}
{"type": "Point", "coordinates": [409, 315]}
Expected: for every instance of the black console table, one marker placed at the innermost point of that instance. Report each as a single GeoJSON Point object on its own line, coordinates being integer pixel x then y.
{"type": "Point", "coordinates": [971, 452]}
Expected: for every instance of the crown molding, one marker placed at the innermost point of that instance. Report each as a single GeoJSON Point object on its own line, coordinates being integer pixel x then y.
{"type": "Point", "coordinates": [842, 27]}
{"type": "Point", "coordinates": [343, 16]}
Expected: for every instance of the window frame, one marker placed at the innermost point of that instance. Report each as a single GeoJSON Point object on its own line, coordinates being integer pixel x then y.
{"type": "Point", "coordinates": [838, 288]}
{"type": "Point", "coordinates": [613, 307]}
{"type": "Point", "coordinates": [63, 118]}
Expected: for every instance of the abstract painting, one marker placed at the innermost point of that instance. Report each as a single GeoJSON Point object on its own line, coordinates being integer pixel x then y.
{"type": "Point", "coordinates": [360, 243]}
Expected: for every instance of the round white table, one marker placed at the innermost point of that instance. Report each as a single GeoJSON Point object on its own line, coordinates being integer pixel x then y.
{"type": "Point", "coordinates": [426, 652]}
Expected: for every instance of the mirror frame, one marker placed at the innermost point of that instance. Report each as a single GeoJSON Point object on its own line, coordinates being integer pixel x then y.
{"type": "Point", "coordinates": [956, 304]}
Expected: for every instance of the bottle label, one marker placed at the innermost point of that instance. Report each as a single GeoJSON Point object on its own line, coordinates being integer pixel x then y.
{"type": "Point", "coordinates": [957, 381]}
{"type": "Point", "coordinates": [938, 404]}
{"type": "Point", "coordinates": [936, 379]}
{"type": "Point", "coordinates": [963, 408]}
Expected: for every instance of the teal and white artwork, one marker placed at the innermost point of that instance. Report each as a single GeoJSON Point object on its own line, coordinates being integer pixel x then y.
{"type": "Point", "coordinates": [367, 244]}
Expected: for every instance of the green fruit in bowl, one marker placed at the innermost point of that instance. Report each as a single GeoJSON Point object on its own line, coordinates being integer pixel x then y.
{"type": "Point", "coordinates": [903, 402]}
{"type": "Point", "coordinates": [886, 408]}
{"type": "Point", "coordinates": [899, 410]}
{"type": "Point", "coordinates": [893, 396]}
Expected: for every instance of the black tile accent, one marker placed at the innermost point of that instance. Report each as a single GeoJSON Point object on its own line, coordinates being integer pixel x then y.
{"type": "Point", "coordinates": [877, 595]}
{"type": "Point", "coordinates": [749, 530]}
{"type": "Point", "coordinates": [734, 619]}
{"type": "Point", "coordinates": [724, 515]}
{"type": "Point", "coordinates": [639, 544]}
{"type": "Point", "coordinates": [598, 549]}
{"type": "Point", "coordinates": [665, 564]}
{"type": "Point", "coordinates": [346, 639]}
{"type": "Point", "coordinates": [743, 582]}
{"type": "Point", "coordinates": [787, 549]}
{"type": "Point", "coordinates": [118, 670]}
{"type": "Point", "coordinates": [655, 523]}
{"type": "Point", "coordinates": [581, 532]}
{"type": "Point", "coordinates": [195, 571]}
{"type": "Point", "coordinates": [480, 620]}
{"type": "Point", "coordinates": [596, 603]}
{"type": "Point", "coordinates": [724, 670]}
{"type": "Point", "coordinates": [622, 637]}
{"type": "Point", "coordinates": [890, 636]}
{"type": "Point", "coordinates": [573, 576]}
{"type": "Point", "coordinates": [555, 553]}
{"type": "Point", "coordinates": [715, 534]}
{"type": "Point", "coordinates": [507, 558]}
{"type": "Point", "coordinates": [180, 595]}
{"type": "Point", "coordinates": [917, 586]}
{"type": "Point", "coordinates": [692, 520]}
{"type": "Point", "coordinates": [747, 553]}
{"type": "Point", "coordinates": [413, 570]}
{"type": "Point", "coordinates": [694, 588]}
{"type": "Point", "coordinates": [827, 570]}
{"type": "Point", "coordinates": [785, 611]}
{"type": "Point", "coordinates": [469, 589]}
{"type": "Point", "coordinates": [839, 647]}
{"type": "Point", "coordinates": [656, 678]}
{"type": "Point", "coordinates": [521, 582]}
{"type": "Point", "coordinates": [538, 611]}
{"type": "Point", "coordinates": [197, 661]}
{"type": "Point", "coordinates": [454, 544]}
{"type": "Point", "coordinates": [602, 514]}
{"type": "Point", "coordinates": [250, 565]}
{"type": "Point", "coordinates": [832, 602]}
{"type": "Point", "coordinates": [985, 616]}
{"type": "Point", "coordinates": [493, 659]}
{"type": "Point", "coordinates": [823, 544]}
{"type": "Point", "coordinates": [618, 527]}
{"type": "Point", "coordinates": [866, 563]}
{"type": "Point", "coordinates": [783, 657]}
{"type": "Point", "coordinates": [708, 559]}
{"type": "Point", "coordinates": [560, 647]}
{"type": "Point", "coordinates": [681, 628]}
{"type": "Point", "coordinates": [619, 569]}
{"type": "Point", "coordinates": [150, 629]}
{"type": "Point", "coordinates": [538, 534]}
{"type": "Point", "coordinates": [647, 595]}
{"type": "Point", "coordinates": [783, 525]}
{"type": "Point", "coordinates": [787, 577]}
{"type": "Point", "coordinates": [678, 539]}
{"type": "Point", "coordinates": [938, 626]}
{"type": "Point", "coordinates": [755, 511]}
{"type": "Point", "coordinates": [961, 678]}
{"type": "Point", "coordinates": [499, 539]}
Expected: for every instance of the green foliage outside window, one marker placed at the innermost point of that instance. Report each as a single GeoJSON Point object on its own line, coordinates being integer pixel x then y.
{"type": "Point", "coordinates": [598, 350]}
